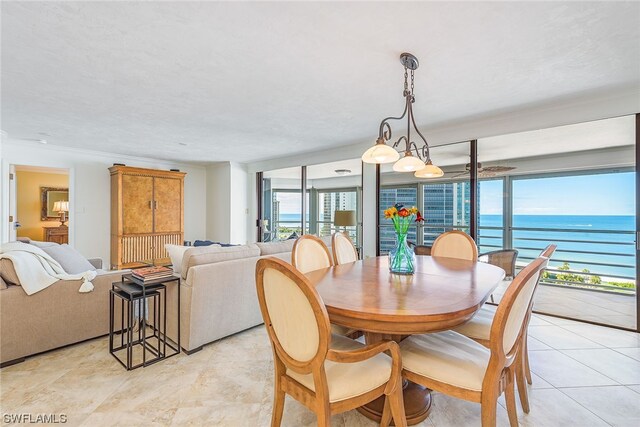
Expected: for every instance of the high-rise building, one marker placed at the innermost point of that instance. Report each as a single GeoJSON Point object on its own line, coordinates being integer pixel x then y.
{"type": "Point", "coordinates": [445, 205]}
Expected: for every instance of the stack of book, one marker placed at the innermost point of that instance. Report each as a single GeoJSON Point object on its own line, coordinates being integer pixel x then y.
{"type": "Point", "coordinates": [148, 274]}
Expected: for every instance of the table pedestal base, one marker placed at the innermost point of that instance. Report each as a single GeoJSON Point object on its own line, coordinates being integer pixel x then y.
{"type": "Point", "coordinates": [417, 404]}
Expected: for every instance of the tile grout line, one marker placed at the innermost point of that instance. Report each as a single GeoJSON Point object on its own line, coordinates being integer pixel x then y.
{"type": "Point", "coordinates": [594, 369]}
{"type": "Point", "coordinates": [580, 404]}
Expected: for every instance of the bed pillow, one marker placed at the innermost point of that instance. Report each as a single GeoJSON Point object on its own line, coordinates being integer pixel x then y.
{"type": "Point", "coordinates": [3, 284]}
{"type": "Point", "coordinates": [176, 253]}
{"type": "Point", "coordinates": [70, 259]}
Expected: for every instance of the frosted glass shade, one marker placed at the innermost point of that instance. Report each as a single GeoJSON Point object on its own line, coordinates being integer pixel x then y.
{"type": "Point", "coordinates": [408, 163]}
{"type": "Point", "coordinates": [61, 206]}
{"type": "Point", "coordinates": [429, 171]}
{"type": "Point", "coordinates": [344, 218]}
{"type": "Point", "coordinates": [380, 153]}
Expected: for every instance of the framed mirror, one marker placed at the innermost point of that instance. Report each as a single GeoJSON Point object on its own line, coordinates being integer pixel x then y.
{"type": "Point", "coordinates": [48, 197]}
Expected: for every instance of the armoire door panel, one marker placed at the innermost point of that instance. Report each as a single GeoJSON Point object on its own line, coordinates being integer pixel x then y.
{"type": "Point", "coordinates": [168, 205]}
{"type": "Point", "coordinates": [137, 203]}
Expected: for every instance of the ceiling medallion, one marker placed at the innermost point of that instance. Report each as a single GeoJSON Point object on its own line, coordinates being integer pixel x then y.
{"type": "Point", "coordinates": [420, 162]}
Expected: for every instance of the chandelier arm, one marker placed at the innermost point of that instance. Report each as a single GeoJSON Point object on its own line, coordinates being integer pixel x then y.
{"type": "Point", "coordinates": [385, 122]}
{"type": "Point", "coordinates": [426, 144]}
{"type": "Point", "coordinates": [414, 147]}
{"type": "Point", "coordinates": [395, 144]}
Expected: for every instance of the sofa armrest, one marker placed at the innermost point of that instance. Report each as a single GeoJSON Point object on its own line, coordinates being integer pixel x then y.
{"type": "Point", "coordinates": [96, 262]}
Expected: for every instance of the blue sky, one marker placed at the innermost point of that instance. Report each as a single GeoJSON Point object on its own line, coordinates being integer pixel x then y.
{"type": "Point", "coordinates": [603, 194]}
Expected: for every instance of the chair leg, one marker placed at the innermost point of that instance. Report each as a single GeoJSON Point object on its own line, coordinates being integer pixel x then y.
{"type": "Point", "coordinates": [523, 392]}
{"type": "Point", "coordinates": [385, 421]}
{"type": "Point", "coordinates": [324, 416]}
{"type": "Point", "coordinates": [397, 406]}
{"type": "Point", "coordinates": [278, 406]}
{"type": "Point", "coordinates": [488, 408]}
{"type": "Point", "coordinates": [527, 369]}
{"type": "Point", "coordinates": [510, 398]}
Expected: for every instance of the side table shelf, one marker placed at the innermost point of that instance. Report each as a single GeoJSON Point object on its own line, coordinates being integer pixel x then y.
{"type": "Point", "coordinates": [143, 321]}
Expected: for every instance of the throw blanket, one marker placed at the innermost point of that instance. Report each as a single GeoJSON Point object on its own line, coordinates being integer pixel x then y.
{"type": "Point", "coordinates": [37, 270]}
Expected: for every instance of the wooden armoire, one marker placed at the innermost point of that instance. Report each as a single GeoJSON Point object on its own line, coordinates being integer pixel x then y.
{"type": "Point", "coordinates": [147, 211]}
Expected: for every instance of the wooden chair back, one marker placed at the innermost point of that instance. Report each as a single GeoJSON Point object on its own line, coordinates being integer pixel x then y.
{"type": "Point", "coordinates": [294, 315]}
{"type": "Point", "coordinates": [310, 253]}
{"type": "Point", "coordinates": [548, 251]}
{"type": "Point", "coordinates": [455, 244]}
{"type": "Point", "coordinates": [343, 249]}
{"type": "Point", "coordinates": [509, 322]}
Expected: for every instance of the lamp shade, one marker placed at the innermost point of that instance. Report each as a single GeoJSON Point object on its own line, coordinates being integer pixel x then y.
{"type": "Point", "coordinates": [380, 153]}
{"type": "Point", "coordinates": [429, 171]}
{"type": "Point", "coordinates": [61, 206]}
{"type": "Point", "coordinates": [344, 218]}
{"type": "Point", "coordinates": [408, 163]}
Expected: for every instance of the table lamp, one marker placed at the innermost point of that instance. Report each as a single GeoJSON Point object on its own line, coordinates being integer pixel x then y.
{"type": "Point", "coordinates": [62, 207]}
{"type": "Point", "coordinates": [344, 219]}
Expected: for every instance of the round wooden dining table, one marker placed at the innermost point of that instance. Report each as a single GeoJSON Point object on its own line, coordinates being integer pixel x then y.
{"type": "Point", "coordinates": [441, 294]}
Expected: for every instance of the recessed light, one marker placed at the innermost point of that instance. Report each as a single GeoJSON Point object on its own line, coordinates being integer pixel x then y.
{"type": "Point", "coordinates": [41, 141]}
{"type": "Point", "coordinates": [343, 172]}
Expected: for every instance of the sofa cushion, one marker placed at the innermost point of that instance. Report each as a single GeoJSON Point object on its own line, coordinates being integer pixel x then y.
{"type": "Point", "coordinates": [176, 253]}
{"type": "Point", "coordinates": [8, 273]}
{"type": "Point", "coordinates": [212, 254]}
{"type": "Point", "coordinates": [70, 259]}
{"type": "Point", "coordinates": [269, 248]}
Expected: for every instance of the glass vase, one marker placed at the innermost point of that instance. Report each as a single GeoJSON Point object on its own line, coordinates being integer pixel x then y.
{"type": "Point", "coordinates": [402, 259]}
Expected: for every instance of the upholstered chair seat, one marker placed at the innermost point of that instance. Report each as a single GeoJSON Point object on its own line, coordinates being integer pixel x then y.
{"type": "Point", "coordinates": [479, 327]}
{"type": "Point", "coordinates": [447, 357]}
{"type": "Point", "coordinates": [347, 380]}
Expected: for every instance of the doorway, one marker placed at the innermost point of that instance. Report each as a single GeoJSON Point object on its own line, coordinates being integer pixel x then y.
{"type": "Point", "coordinates": [39, 204]}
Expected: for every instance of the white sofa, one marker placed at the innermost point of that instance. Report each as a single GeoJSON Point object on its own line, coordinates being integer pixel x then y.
{"type": "Point", "coordinates": [218, 291]}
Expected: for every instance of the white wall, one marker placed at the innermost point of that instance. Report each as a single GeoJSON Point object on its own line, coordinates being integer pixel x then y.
{"type": "Point", "coordinates": [90, 187]}
{"type": "Point", "coordinates": [218, 197]}
{"type": "Point", "coordinates": [227, 203]}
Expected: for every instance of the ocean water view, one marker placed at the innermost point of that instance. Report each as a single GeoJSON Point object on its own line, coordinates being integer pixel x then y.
{"type": "Point", "coordinates": [602, 244]}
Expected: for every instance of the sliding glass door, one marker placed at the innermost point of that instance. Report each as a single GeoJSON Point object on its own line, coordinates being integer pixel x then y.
{"type": "Point", "coordinates": [573, 186]}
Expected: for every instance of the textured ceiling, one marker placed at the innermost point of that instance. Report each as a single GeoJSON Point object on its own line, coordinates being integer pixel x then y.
{"type": "Point", "coordinates": [205, 81]}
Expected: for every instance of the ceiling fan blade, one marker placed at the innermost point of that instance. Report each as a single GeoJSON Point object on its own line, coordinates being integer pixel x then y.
{"type": "Point", "coordinates": [498, 169]}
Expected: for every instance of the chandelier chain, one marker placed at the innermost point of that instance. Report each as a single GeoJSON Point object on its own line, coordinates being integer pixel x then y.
{"type": "Point", "coordinates": [412, 100]}
{"type": "Point", "coordinates": [406, 82]}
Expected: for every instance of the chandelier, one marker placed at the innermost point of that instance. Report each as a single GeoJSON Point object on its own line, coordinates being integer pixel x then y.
{"type": "Point", "coordinates": [420, 162]}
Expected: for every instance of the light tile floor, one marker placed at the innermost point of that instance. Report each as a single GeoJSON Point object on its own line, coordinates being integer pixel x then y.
{"type": "Point", "coordinates": [583, 375]}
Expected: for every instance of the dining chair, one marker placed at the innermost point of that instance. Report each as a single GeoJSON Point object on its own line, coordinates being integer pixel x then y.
{"type": "Point", "coordinates": [479, 329]}
{"type": "Point", "coordinates": [420, 249]}
{"type": "Point", "coordinates": [310, 253]}
{"type": "Point", "coordinates": [456, 365]}
{"type": "Point", "coordinates": [343, 249]}
{"type": "Point", "coordinates": [503, 258]}
{"type": "Point", "coordinates": [328, 374]}
{"type": "Point", "coordinates": [455, 244]}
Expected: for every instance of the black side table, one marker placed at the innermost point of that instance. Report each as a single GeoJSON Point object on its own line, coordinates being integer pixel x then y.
{"type": "Point", "coordinates": [135, 292]}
